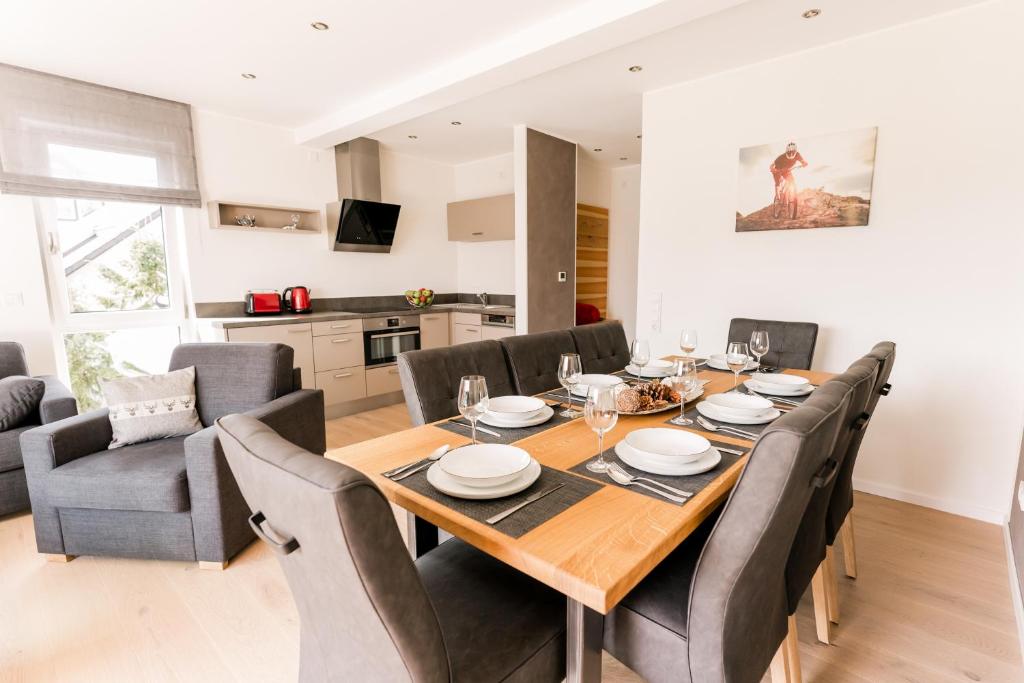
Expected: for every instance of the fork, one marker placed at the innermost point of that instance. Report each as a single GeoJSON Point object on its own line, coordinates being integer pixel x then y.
{"type": "Point", "coordinates": [632, 477]}
{"type": "Point", "coordinates": [774, 399]}
{"type": "Point", "coordinates": [728, 430]}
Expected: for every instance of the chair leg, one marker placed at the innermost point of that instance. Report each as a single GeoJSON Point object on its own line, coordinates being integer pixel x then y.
{"type": "Point", "coordinates": [63, 559]}
{"type": "Point", "coordinates": [820, 598]}
{"type": "Point", "coordinates": [793, 652]}
{"type": "Point", "coordinates": [831, 586]}
{"type": "Point", "coordinates": [849, 547]}
{"type": "Point", "coordinates": [214, 566]}
{"type": "Point", "coordinates": [780, 664]}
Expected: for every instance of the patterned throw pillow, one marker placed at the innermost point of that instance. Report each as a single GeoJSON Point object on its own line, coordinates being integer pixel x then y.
{"type": "Point", "coordinates": [19, 398]}
{"type": "Point", "coordinates": [152, 406]}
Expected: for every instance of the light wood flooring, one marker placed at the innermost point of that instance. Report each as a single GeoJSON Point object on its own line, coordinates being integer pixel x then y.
{"type": "Point", "coordinates": [931, 604]}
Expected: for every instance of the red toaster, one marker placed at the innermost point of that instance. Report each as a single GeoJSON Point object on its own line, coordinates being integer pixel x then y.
{"type": "Point", "coordinates": [262, 303]}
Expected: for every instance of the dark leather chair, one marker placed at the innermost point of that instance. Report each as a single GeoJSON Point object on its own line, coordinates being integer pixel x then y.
{"type": "Point", "coordinates": [717, 610]}
{"type": "Point", "coordinates": [534, 358]}
{"type": "Point", "coordinates": [430, 377]}
{"type": "Point", "coordinates": [790, 345]}
{"type": "Point", "coordinates": [56, 404]}
{"type": "Point", "coordinates": [174, 498]}
{"type": "Point", "coordinates": [602, 346]}
{"type": "Point", "coordinates": [367, 612]}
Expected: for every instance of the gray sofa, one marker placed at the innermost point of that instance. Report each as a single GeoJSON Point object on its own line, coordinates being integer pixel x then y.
{"type": "Point", "coordinates": [57, 403]}
{"type": "Point", "coordinates": [174, 498]}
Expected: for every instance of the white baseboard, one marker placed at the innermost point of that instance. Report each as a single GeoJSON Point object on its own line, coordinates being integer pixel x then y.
{"type": "Point", "coordinates": [984, 514]}
{"type": "Point", "coordinates": [1015, 587]}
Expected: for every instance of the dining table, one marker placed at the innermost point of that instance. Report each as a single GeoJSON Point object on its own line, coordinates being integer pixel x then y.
{"type": "Point", "coordinates": [597, 549]}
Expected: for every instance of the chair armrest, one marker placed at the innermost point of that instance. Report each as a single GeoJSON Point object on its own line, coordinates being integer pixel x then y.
{"type": "Point", "coordinates": [58, 402]}
{"type": "Point", "coordinates": [297, 417]}
{"type": "Point", "coordinates": [57, 443]}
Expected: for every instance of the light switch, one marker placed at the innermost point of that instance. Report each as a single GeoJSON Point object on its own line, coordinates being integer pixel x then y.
{"type": "Point", "coordinates": [562, 276]}
{"type": "Point", "coordinates": [14, 300]}
{"type": "Point", "coordinates": [655, 303]}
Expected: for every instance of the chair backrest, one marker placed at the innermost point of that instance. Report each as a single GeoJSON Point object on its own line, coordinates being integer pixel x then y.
{"type": "Point", "coordinates": [790, 345]}
{"type": "Point", "coordinates": [12, 359]}
{"type": "Point", "coordinates": [602, 346]}
{"type": "Point", "coordinates": [235, 377]}
{"type": "Point", "coordinates": [854, 388]}
{"type": "Point", "coordinates": [364, 613]}
{"type": "Point", "coordinates": [430, 378]}
{"type": "Point", "coordinates": [533, 359]}
{"type": "Point", "coordinates": [737, 611]}
{"type": "Point", "coordinates": [883, 354]}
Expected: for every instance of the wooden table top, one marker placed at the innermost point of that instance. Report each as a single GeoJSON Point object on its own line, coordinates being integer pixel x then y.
{"type": "Point", "coordinates": [594, 552]}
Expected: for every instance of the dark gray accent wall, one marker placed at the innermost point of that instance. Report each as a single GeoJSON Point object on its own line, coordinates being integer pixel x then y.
{"type": "Point", "coordinates": [1017, 524]}
{"type": "Point", "coordinates": [550, 232]}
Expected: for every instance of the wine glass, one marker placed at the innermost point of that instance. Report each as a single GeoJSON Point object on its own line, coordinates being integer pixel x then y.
{"type": "Point", "coordinates": [569, 371]}
{"type": "Point", "coordinates": [736, 357]}
{"type": "Point", "coordinates": [684, 380]}
{"type": "Point", "coordinates": [473, 399]}
{"type": "Point", "coordinates": [688, 341]}
{"type": "Point", "coordinates": [601, 415]}
{"type": "Point", "coordinates": [759, 344]}
{"type": "Point", "coordinates": [640, 355]}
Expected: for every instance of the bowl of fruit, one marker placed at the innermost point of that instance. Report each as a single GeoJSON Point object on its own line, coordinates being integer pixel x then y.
{"type": "Point", "coordinates": [419, 298]}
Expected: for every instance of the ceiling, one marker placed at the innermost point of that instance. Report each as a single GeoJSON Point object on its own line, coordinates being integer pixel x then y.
{"type": "Point", "coordinates": [403, 67]}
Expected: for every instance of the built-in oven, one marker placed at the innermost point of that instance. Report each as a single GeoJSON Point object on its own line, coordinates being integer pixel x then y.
{"type": "Point", "coordinates": [385, 338]}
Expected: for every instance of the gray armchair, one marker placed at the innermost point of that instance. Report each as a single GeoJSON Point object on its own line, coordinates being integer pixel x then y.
{"type": "Point", "coordinates": [174, 498]}
{"type": "Point", "coordinates": [57, 403]}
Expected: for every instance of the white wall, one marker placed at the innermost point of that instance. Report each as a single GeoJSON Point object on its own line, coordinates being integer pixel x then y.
{"type": "Point", "coordinates": [485, 266]}
{"type": "Point", "coordinates": [593, 184]}
{"type": "Point", "coordinates": [938, 270]}
{"type": "Point", "coordinates": [623, 245]}
{"type": "Point", "coordinates": [243, 161]}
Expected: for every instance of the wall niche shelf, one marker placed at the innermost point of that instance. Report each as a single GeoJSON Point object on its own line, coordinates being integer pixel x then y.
{"type": "Point", "coordinates": [268, 218]}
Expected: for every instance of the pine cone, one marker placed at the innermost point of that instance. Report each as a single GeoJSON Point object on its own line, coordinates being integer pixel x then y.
{"type": "Point", "coordinates": [628, 401]}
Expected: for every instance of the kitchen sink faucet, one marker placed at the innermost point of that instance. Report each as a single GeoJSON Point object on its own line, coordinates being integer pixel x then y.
{"type": "Point", "coordinates": [483, 298]}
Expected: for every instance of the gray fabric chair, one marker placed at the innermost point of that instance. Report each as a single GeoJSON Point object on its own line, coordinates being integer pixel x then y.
{"type": "Point", "coordinates": [430, 377]}
{"type": "Point", "coordinates": [56, 404]}
{"type": "Point", "coordinates": [533, 359]}
{"type": "Point", "coordinates": [602, 346]}
{"type": "Point", "coordinates": [717, 610]}
{"type": "Point", "coordinates": [367, 612]}
{"type": "Point", "coordinates": [791, 345]}
{"type": "Point", "coordinates": [171, 498]}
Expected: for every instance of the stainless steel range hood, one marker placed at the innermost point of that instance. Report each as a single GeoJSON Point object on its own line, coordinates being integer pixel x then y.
{"type": "Point", "coordinates": [359, 221]}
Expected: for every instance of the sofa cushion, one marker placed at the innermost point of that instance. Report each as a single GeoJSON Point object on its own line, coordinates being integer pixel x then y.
{"type": "Point", "coordinates": [152, 406]}
{"type": "Point", "coordinates": [10, 448]}
{"type": "Point", "coordinates": [146, 476]}
{"type": "Point", "coordinates": [19, 398]}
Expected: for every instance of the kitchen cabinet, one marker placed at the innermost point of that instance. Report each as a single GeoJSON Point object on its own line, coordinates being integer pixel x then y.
{"type": "Point", "coordinates": [337, 351]}
{"type": "Point", "coordinates": [433, 330]}
{"type": "Point", "coordinates": [299, 336]}
{"type": "Point", "coordinates": [482, 220]}
{"type": "Point", "coordinates": [465, 333]}
{"type": "Point", "coordinates": [337, 327]}
{"type": "Point", "coordinates": [383, 380]}
{"type": "Point", "coordinates": [344, 384]}
{"type": "Point", "coordinates": [495, 332]}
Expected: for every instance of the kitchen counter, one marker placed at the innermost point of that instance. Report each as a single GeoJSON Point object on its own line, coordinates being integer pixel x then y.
{"type": "Point", "coordinates": [321, 316]}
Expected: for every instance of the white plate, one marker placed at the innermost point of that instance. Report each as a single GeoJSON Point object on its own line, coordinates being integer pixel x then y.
{"type": "Point", "coordinates": [446, 484]}
{"type": "Point", "coordinates": [649, 371]}
{"type": "Point", "coordinates": [514, 407]}
{"type": "Point", "coordinates": [780, 379]}
{"type": "Point", "coordinates": [739, 404]}
{"type": "Point", "coordinates": [485, 465]}
{"type": "Point", "coordinates": [708, 410]}
{"type": "Point", "coordinates": [586, 381]}
{"type": "Point", "coordinates": [542, 416]}
{"type": "Point", "coordinates": [667, 442]}
{"type": "Point", "coordinates": [778, 390]}
{"type": "Point", "coordinates": [717, 361]}
{"type": "Point", "coordinates": [648, 463]}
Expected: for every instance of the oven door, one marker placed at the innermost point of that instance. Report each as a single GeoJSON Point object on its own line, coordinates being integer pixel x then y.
{"type": "Point", "coordinates": [383, 346]}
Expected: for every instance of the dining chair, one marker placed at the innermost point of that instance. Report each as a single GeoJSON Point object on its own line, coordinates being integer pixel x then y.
{"type": "Point", "coordinates": [716, 610]}
{"type": "Point", "coordinates": [430, 377]}
{"type": "Point", "coordinates": [840, 510]}
{"type": "Point", "coordinates": [602, 346]}
{"type": "Point", "coordinates": [790, 345]}
{"type": "Point", "coordinates": [534, 358]}
{"type": "Point", "coordinates": [367, 612]}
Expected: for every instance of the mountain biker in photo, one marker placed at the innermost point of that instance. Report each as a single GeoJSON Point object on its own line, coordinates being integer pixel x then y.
{"type": "Point", "coordinates": [782, 167]}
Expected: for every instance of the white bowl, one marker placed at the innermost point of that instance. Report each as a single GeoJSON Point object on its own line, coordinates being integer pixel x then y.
{"type": "Point", "coordinates": [779, 389]}
{"type": "Point", "coordinates": [587, 381]}
{"type": "Point", "coordinates": [718, 361]}
{"type": "Point", "coordinates": [514, 407]}
{"type": "Point", "coordinates": [659, 364]}
{"type": "Point", "coordinates": [742, 404]}
{"type": "Point", "coordinates": [485, 465]}
{"type": "Point", "coordinates": [780, 379]}
{"type": "Point", "coordinates": [667, 442]}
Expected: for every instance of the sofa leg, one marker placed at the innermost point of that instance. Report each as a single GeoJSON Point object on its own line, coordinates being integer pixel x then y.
{"type": "Point", "coordinates": [63, 559]}
{"type": "Point", "coordinates": [213, 566]}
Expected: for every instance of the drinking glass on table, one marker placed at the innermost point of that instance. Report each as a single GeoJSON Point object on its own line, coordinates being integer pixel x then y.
{"type": "Point", "coordinates": [759, 344]}
{"type": "Point", "coordinates": [601, 415]}
{"type": "Point", "coordinates": [569, 371]}
{"type": "Point", "coordinates": [684, 380]}
{"type": "Point", "coordinates": [640, 355]}
{"type": "Point", "coordinates": [688, 341]}
{"type": "Point", "coordinates": [473, 399]}
{"type": "Point", "coordinates": [736, 357]}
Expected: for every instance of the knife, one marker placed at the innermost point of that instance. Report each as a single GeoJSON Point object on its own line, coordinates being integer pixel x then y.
{"type": "Point", "coordinates": [532, 499]}
{"type": "Point", "coordinates": [478, 428]}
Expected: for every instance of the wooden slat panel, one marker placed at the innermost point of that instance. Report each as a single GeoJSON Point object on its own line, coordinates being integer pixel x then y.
{"type": "Point", "coordinates": [592, 288]}
{"type": "Point", "coordinates": [588, 210]}
{"type": "Point", "coordinates": [592, 257]}
{"type": "Point", "coordinates": [599, 272]}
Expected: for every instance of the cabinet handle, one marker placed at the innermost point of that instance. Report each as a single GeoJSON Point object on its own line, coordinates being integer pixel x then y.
{"type": "Point", "coordinates": [476, 234]}
{"type": "Point", "coordinates": [392, 371]}
{"type": "Point", "coordinates": [472, 329]}
{"type": "Point", "coordinates": [340, 327]}
{"type": "Point", "coordinates": [428, 317]}
{"type": "Point", "coordinates": [297, 331]}
{"type": "Point", "coordinates": [343, 375]}
{"type": "Point", "coordinates": [340, 341]}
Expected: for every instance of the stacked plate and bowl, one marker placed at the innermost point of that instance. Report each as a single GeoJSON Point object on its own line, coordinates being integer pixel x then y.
{"type": "Point", "coordinates": [483, 471]}
{"type": "Point", "coordinates": [672, 452]}
{"type": "Point", "coordinates": [516, 412]}
{"type": "Point", "coordinates": [779, 385]}
{"type": "Point", "coordinates": [736, 408]}
{"type": "Point", "coordinates": [718, 362]}
{"type": "Point", "coordinates": [655, 369]}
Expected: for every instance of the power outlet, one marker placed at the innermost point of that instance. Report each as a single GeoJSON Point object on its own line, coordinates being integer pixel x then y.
{"type": "Point", "coordinates": [563, 276]}
{"type": "Point", "coordinates": [1020, 495]}
{"type": "Point", "coordinates": [655, 312]}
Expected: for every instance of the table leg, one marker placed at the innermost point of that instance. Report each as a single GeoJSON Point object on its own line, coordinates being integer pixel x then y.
{"type": "Point", "coordinates": [421, 536]}
{"type": "Point", "coordinates": [584, 638]}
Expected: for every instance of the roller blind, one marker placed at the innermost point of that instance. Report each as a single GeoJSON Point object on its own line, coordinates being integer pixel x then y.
{"type": "Point", "coordinates": [65, 138]}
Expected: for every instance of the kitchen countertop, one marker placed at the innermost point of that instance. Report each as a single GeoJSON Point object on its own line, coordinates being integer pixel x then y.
{"type": "Point", "coordinates": [323, 316]}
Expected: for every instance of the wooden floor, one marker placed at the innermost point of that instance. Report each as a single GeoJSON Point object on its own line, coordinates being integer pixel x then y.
{"type": "Point", "coordinates": [932, 604]}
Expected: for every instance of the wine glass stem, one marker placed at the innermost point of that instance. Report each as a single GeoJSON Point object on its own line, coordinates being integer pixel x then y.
{"type": "Point", "coordinates": [568, 395]}
{"type": "Point", "coordinates": [600, 446]}
{"type": "Point", "coordinates": [735, 381]}
{"type": "Point", "coordinates": [472, 423]}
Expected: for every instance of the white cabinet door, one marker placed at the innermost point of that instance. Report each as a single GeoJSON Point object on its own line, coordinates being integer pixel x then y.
{"type": "Point", "coordinates": [338, 351]}
{"type": "Point", "coordinates": [382, 380]}
{"type": "Point", "coordinates": [433, 330]}
{"type": "Point", "coordinates": [345, 384]}
{"type": "Point", "coordinates": [495, 332]}
{"type": "Point", "coordinates": [299, 336]}
{"type": "Point", "coordinates": [465, 333]}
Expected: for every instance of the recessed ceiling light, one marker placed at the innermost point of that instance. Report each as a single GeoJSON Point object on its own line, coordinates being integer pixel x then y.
{"type": "Point", "coordinates": [320, 26]}
{"type": "Point", "coordinates": [635, 68]}
{"type": "Point", "coordinates": [248, 77]}
{"type": "Point", "coordinates": [413, 137]}
{"type": "Point", "coordinates": [456, 123]}
{"type": "Point", "coordinates": [811, 13]}
{"type": "Point", "coordinates": [597, 149]}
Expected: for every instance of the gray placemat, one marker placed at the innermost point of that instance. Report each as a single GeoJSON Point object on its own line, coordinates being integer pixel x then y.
{"type": "Point", "coordinates": [693, 415]}
{"type": "Point", "coordinates": [508, 434]}
{"type": "Point", "coordinates": [692, 482]}
{"type": "Point", "coordinates": [530, 517]}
